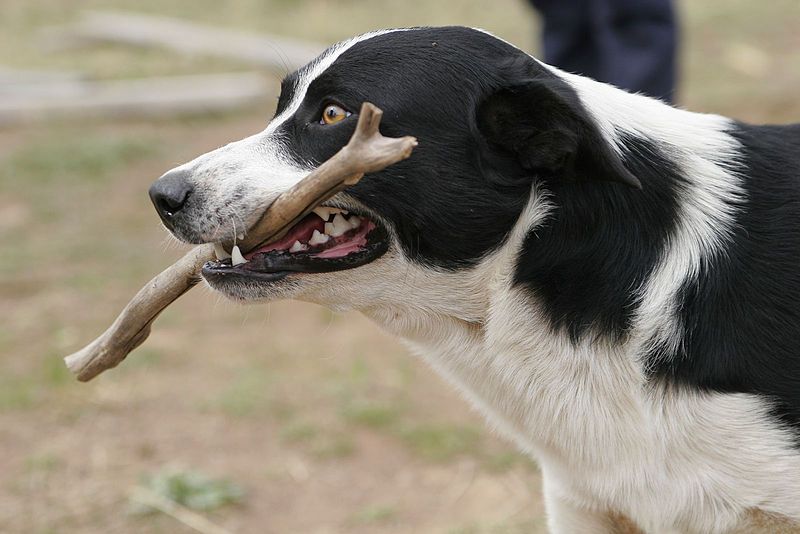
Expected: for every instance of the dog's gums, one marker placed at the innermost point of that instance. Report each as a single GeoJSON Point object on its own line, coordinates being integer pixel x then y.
{"type": "Point", "coordinates": [328, 239]}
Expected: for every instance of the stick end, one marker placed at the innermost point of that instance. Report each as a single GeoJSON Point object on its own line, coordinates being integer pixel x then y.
{"type": "Point", "coordinates": [77, 364]}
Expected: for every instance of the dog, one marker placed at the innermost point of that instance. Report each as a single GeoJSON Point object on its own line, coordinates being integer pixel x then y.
{"type": "Point", "coordinates": [612, 282]}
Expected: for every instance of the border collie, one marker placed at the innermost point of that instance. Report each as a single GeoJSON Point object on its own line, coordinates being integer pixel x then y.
{"type": "Point", "coordinates": [612, 282]}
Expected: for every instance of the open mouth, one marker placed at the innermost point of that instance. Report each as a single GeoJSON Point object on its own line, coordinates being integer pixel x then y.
{"type": "Point", "coordinates": [327, 239]}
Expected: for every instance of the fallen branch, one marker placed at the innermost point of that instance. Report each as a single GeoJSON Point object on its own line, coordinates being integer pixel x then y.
{"type": "Point", "coordinates": [150, 97]}
{"type": "Point", "coordinates": [180, 513]}
{"type": "Point", "coordinates": [277, 53]}
{"type": "Point", "coordinates": [367, 151]}
{"type": "Point", "coordinates": [23, 81]}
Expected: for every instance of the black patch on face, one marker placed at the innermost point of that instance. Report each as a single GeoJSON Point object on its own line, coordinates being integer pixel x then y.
{"type": "Point", "coordinates": [600, 244]}
{"type": "Point", "coordinates": [288, 89]}
{"type": "Point", "coordinates": [442, 203]}
{"type": "Point", "coordinates": [742, 314]}
{"type": "Point", "coordinates": [460, 193]}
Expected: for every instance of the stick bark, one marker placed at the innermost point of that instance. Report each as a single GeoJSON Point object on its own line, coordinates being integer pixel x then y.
{"type": "Point", "coordinates": [367, 151]}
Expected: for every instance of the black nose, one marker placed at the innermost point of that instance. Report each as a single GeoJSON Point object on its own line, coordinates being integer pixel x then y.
{"type": "Point", "coordinates": [170, 193]}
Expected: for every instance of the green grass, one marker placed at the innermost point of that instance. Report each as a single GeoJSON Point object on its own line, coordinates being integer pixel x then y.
{"type": "Point", "coordinates": [320, 442]}
{"type": "Point", "coordinates": [189, 488]}
{"type": "Point", "coordinates": [375, 514]}
{"type": "Point", "coordinates": [43, 463]}
{"type": "Point", "coordinates": [17, 393]}
{"type": "Point", "coordinates": [443, 442]}
{"type": "Point", "coordinates": [332, 446]}
{"type": "Point", "coordinates": [299, 432]}
{"type": "Point", "coordinates": [370, 415]}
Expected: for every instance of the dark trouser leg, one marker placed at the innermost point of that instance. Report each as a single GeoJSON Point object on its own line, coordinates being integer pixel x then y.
{"type": "Point", "coordinates": [629, 43]}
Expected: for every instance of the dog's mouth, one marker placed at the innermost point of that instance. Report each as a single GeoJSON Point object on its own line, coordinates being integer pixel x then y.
{"type": "Point", "coordinates": [327, 239]}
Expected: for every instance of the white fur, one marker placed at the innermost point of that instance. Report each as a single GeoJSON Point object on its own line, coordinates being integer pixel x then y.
{"type": "Point", "coordinates": [256, 165]}
{"type": "Point", "coordinates": [607, 440]}
{"type": "Point", "coordinates": [707, 155]}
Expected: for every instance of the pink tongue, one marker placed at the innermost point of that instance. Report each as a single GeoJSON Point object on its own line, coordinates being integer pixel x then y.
{"type": "Point", "coordinates": [353, 243]}
{"type": "Point", "coordinates": [300, 232]}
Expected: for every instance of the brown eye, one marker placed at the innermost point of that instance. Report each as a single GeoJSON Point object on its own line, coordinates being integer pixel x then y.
{"type": "Point", "coordinates": [333, 114]}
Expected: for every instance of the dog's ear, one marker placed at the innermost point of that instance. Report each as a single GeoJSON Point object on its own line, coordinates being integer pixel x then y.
{"type": "Point", "coordinates": [542, 123]}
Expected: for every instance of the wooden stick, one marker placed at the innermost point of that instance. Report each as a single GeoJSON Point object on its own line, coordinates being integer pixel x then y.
{"type": "Point", "coordinates": [279, 54]}
{"type": "Point", "coordinates": [367, 151]}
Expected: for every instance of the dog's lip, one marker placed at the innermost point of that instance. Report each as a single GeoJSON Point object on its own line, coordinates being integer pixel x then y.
{"type": "Point", "coordinates": [360, 245]}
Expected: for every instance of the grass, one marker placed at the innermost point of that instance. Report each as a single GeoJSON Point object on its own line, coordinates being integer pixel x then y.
{"type": "Point", "coordinates": [443, 442]}
{"type": "Point", "coordinates": [376, 416]}
{"type": "Point", "coordinates": [189, 488]}
{"type": "Point", "coordinates": [56, 160]}
{"type": "Point", "coordinates": [17, 393]}
{"type": "Point", "coordinates": [318, 441]}
{"type": "Point", "coordinates": [375, 514]}
{"type": "Point", "coordinates": [43, 463]}
{"type": "Point", "coordinates": [299, 432]}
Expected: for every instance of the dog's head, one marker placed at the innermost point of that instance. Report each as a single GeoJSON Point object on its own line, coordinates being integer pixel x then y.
{"type": "Point", "coordinates": [490, 122]}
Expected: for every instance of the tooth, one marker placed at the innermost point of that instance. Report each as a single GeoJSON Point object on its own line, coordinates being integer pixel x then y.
{"type": "Point", "coordinates": [236, 256]}
{"type": "Point", "coordinates": [323, 212]}
{"type": "Point", "coordinates": [220, 251]}
{"type": "Point", "coordinates": [329, 229]}
{"type": "Point", "coordinates": [355, 221]}
{"type": "Point", "coordinates": [340, 226]}
{"type": "Point", "coordinates": [298, 247]}
{"type": "Point", "coordinates": [240, 237]}
{"type": "Point", "coordinates": [318, 238]}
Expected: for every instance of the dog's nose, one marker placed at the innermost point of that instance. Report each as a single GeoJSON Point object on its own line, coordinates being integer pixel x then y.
{"type": "Point", "coordinates": [170, 193]}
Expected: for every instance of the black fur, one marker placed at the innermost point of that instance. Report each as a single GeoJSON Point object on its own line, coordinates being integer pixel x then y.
{"type": "Point", "coordinates": [601, 243]}
{"type": "Point", "coordinates": [742, 314]}
{"type": "Point", "coordinates": [493, 123]}
{"type": "Point", "coordinates": [443, 211]}
{"type": "Point", "coordinates": [458, 196]}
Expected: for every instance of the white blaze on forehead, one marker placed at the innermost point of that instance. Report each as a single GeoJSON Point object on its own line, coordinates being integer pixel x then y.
{"type": "Point", "coordinates": [239, 179]}
{"type": "Point", "coordinates": [313, 70]}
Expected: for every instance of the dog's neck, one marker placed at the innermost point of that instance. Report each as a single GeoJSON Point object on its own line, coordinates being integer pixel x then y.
{"type": "Point", "coordinates": [486, 333]}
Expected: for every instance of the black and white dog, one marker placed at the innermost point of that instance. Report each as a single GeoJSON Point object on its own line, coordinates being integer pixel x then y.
{"type": "Point", "coordinates": [614, 283]}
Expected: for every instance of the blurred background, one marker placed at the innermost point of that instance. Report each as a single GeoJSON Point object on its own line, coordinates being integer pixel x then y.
{"type": "Point", "coordinates": [274, 419]}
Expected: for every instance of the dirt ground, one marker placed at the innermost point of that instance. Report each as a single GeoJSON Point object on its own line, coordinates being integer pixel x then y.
{"type": "Point", "coordinates": [326, 424]}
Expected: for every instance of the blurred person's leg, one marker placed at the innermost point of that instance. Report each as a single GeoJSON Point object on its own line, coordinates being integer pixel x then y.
{"type": "Point", "coordinates": [569, 39]}
{"type": "Point", "coordinates": [642, 42]}
{"type": "Point", "coordinates": [629, 43]}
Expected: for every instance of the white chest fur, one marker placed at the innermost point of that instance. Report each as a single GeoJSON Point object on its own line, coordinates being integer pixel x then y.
{"type": "Point", "coordinates": [606, 438]}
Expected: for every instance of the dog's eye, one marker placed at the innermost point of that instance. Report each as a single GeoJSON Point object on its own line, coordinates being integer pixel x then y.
{"type": "Point", "coordinates": [333, 114]}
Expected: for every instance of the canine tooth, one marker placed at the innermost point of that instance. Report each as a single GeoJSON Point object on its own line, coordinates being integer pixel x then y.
{"type": "Point", "coordinates": [298, 247]}
{"type": "Point", "coordinates": [220, 252]}
{"type": "Point", "coordinates": [236, 256]}
{"type": "Point", "coordinates": [355, 221]}
{"type": "Point", "coordinates": [340, 226]}
{"type": "Point", "coordinates": [318, 238]}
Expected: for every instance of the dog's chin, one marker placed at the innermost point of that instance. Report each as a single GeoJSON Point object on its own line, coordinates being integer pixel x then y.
{"type": "Point", "coordinates": [281, 268]}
